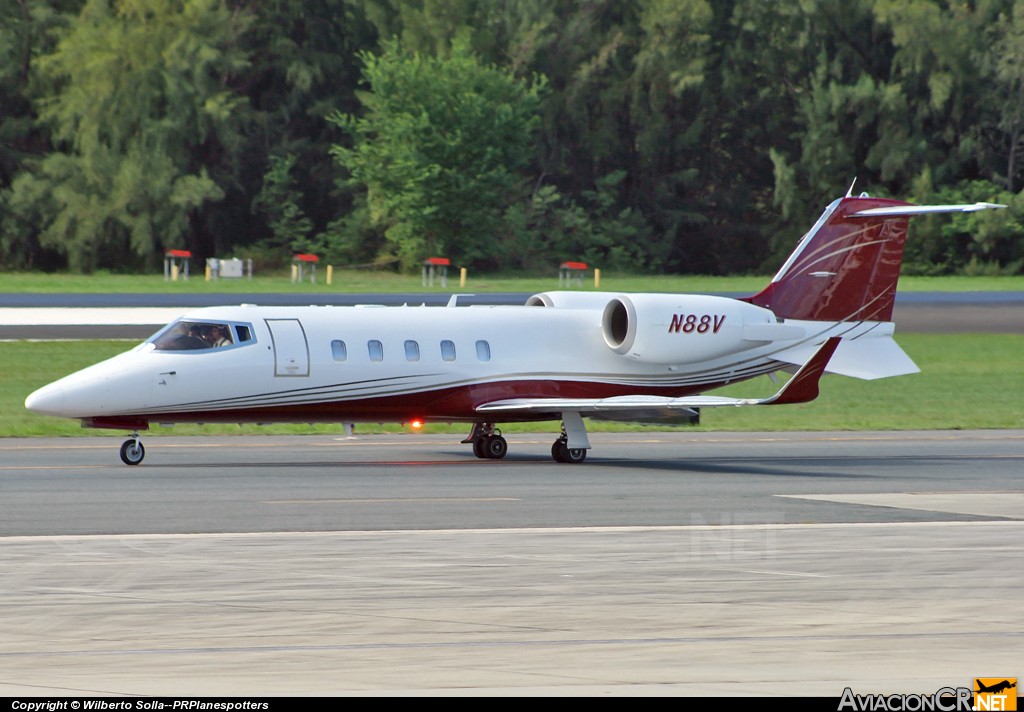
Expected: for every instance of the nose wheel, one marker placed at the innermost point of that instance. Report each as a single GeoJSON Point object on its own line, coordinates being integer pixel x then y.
{"type": "Point", "coordinates": [132, 451]}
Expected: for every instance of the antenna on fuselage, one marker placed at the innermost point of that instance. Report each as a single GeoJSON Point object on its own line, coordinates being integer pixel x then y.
{"type": "Point", "coordinates": [454, 301]}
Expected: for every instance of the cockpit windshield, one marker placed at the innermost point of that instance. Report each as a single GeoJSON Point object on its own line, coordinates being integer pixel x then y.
{"type": "Point", "coordinates": [194, 335]}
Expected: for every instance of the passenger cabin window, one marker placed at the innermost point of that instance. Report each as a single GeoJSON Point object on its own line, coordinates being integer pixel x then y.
{"type": "Point", "coordinates": [339, 350]}
{"type": "Point", "coordinates": [376, 350]}
{"type": "Point", "coordinates": [198, 335]}
{"type": "Point", "coordinates": [483, 351]}
{"type": "Point", "coordinates": [448, 350]}
{"type": "Point", "coordinates": [412, 351]}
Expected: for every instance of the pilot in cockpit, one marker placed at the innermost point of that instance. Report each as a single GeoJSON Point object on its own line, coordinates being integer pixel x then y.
{"type": "Point", "coordinates": [219, 336]}
{"type": "Point", "coordinates": [196, 332]}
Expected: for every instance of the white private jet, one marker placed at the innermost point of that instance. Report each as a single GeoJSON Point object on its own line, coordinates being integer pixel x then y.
{"type": "Point", "coordinates": [561, 356]}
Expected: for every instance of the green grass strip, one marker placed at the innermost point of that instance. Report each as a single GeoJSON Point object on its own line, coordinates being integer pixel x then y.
{"type": "Point", "coordinates": [352, 281]}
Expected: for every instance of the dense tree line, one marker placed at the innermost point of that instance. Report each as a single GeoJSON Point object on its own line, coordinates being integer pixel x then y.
{"type": "Point", "coordinates": [647, 135]}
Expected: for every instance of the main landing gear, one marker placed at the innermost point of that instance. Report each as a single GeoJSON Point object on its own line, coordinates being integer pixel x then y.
{"type": "Point", "coordinates": [487, 442]}
{"type": "Point", "coordinates": [132, 451]}
{"type": "Point", "coordinates": [561, 451]}
{"type": "Point", "coordinates": [571, 446]}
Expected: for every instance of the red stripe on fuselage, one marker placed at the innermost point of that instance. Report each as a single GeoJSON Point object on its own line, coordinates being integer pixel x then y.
{"type": "Point", "coordinates": [445, 405]}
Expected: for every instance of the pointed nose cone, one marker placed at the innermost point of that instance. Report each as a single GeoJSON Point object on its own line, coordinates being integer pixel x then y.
{"type": "Point", "coordinates": [48, 400]}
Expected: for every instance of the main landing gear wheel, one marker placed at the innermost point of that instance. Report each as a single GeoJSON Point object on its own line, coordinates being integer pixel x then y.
{"type": "Point", "coordinates": [132, 452]}
{"type": "Point", "coordinates": [494, 447]}
{"type": "Point", "coordinates": [490, 447]}
{"type": "Point", "coordinates": [561, 452]}
{"type": "Point", "coordinates": [487, 442]}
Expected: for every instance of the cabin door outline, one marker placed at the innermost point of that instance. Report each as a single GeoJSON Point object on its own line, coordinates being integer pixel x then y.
{"type": "Point", "coordinates": [291, 350]}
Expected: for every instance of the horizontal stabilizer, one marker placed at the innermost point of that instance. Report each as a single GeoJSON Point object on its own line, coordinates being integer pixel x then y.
{"type": "Point", "coordinates": [908, 210]}
{"type": "Point", "coordinates": [864, 358]}
{"type": "Point", "coordinates": [801, 388]}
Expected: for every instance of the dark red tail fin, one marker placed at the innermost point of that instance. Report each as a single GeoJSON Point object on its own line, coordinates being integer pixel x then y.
{"type": "Point", "coordinates": [846, 268]}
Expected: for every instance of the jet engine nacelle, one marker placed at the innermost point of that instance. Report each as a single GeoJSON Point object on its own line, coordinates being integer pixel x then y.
{"type": "Point", "coordinates": [669, 328]}
{"type": "Point", "coordinates": [570, 300]}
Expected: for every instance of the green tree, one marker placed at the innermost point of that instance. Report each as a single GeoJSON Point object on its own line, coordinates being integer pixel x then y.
{"type": "Point", "coordinates": [1001, 131]}
{"type": "Point", "coordinates": [671, 133]}
{"type": "Point", "coordinates": [935, 89]}
{"type": "Point", "coordinates": [141, 112]}
{"type": "Point", "coordinates": [550, 228]}
{"type": "Point", "coordinates": [985, 242]}
{"type": "Point", "coordinates": [280, 202]}
{"type": "Point", "coordinates": [305, 66]}
{"type": "Point", "coordinates": [802, 88]}
{"type": "Point", "coordinates": [25, 35]}
{"type": "Point", "coordinates": [879, 90]}
{"type": "Point", "coordinates": [627, 78]}
{"type": "Point", "coordinates": [437, 151]}
{"type": "Point", "coordinates": [624, 80]}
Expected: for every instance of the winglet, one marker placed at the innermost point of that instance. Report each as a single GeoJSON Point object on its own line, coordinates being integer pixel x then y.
{"type": "Point", "coordinates": [803, 386]}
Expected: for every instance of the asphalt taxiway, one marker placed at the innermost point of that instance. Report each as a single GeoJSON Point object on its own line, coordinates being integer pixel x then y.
{"type": "Point", "coordinates": [667, 564]}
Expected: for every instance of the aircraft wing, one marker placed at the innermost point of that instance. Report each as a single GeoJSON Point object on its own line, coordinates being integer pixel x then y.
{"type": "Point", "coordinates": [801, 388]}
